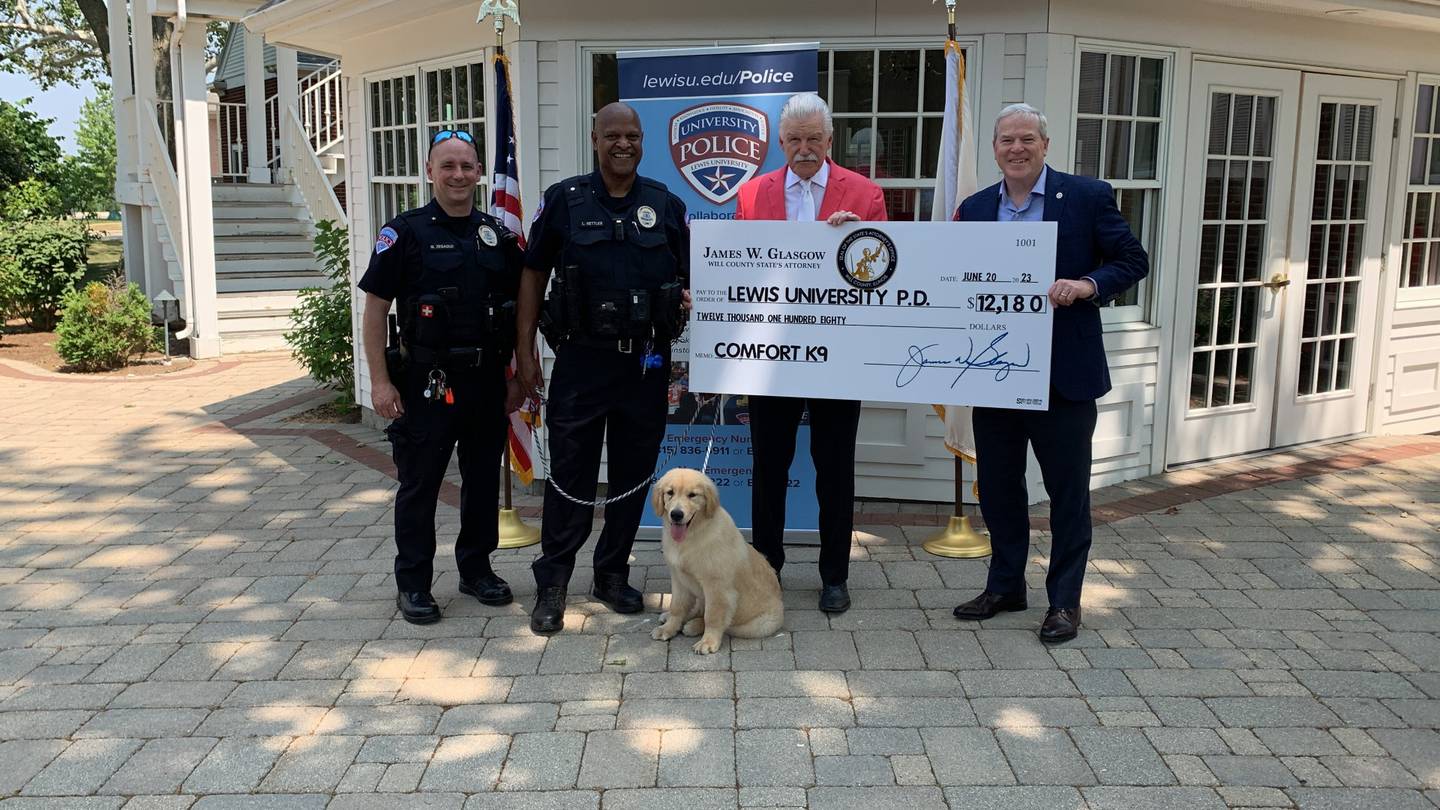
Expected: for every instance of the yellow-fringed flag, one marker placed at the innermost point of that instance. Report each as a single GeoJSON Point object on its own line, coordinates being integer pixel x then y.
{"type": "Point", "coordinates": [954, 181]}
{"type": "Point", "coordinates": [505, 206]}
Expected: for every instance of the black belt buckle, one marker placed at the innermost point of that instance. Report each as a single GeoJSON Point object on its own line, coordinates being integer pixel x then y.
{"type": "Point", "coordinates": [625, 345]}
{"type": "Point", "coordinates": [470, 357]}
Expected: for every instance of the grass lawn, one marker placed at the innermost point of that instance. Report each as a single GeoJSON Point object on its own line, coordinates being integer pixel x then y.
{"type": "Point", "coordinates": [102, 259]}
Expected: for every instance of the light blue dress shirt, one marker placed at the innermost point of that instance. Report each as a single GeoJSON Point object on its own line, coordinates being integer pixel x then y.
{"type": "Point", "coordinates": [1034, 208]}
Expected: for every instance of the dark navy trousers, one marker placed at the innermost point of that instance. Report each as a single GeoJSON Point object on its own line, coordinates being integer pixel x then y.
{"type": "Point", "coordinates": [1062, 438]}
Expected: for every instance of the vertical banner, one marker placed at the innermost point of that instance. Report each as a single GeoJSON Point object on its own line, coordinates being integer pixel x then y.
{"type": "Point", "coordinates": [711, 118]}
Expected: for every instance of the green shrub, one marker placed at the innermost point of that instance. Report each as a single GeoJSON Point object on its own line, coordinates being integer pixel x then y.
{"type": "Point", "coordinates": [104, 325]}
{"type": "Point", "coordinates": [321, 339]}
{"type": "Point", "coordinates": [39, 263]}
{"type": "Point", "coordinates": [31, 200]}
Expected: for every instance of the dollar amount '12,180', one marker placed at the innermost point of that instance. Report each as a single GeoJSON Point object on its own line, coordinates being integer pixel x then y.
{"type": "Point", "coordinates": [1000, 304]}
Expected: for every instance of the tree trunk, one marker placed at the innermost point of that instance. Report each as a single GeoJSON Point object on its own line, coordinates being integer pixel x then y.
{"type": "Point", "coordinates": [97, 17]}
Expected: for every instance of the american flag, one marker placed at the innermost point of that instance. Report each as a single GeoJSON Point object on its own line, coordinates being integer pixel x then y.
{"type": "Point", "coordinates": [505, 206]}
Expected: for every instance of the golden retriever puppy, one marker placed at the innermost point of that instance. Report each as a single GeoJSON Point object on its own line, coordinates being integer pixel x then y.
{"type": "Point", "coordinates": [718, 583]}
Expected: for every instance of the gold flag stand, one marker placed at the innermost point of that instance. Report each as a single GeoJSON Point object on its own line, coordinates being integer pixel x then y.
{"type": "Point", "coordinates": [959, 538]}
{"type": "Point", "coordinates": [514, 532]}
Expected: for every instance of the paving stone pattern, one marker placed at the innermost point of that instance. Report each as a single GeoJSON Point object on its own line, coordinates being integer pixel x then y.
{"type": "Point", "coordinates": [196, 610]}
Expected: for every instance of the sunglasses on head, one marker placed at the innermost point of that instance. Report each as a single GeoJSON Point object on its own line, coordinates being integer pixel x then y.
{"type": "Point", "coordinates": [447, 134]}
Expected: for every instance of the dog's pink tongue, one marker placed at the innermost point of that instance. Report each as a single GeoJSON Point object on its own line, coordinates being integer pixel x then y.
{"type": "Point", "coordinates": [677, 531]}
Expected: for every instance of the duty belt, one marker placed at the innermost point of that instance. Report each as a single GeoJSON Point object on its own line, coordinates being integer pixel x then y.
{"type": "Point", "coordinates": [625, 345]}
{"type": "Point", "coordinates": [451, 358]}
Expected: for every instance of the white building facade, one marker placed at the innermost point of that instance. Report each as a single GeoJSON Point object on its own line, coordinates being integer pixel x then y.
{"type": "Point", "coordinates": [1280, 159]}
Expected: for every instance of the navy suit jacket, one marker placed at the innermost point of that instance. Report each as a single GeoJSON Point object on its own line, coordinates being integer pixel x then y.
{"type": "Point", "coordinates": [1094, 241]}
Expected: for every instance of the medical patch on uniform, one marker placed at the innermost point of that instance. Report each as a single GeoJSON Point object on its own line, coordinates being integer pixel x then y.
{"type": "Point", "coordinates": [386, 238]}
{"type": "Point", "coordinates": [427, 310]}
{"type": "Point", "coordinates": [645, 215]}
{"type": "Point", "coordinates": [487, 235]}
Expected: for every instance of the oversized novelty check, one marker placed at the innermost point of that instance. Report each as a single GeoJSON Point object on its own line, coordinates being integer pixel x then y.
{"type": "Point", "coordinates": [923, 312]}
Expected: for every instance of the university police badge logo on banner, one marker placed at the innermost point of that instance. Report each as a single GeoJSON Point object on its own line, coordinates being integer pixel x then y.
{"type": "Point", "coordinates": [866, 258]}
{"type": "Point", "coordinates": [718, 146]}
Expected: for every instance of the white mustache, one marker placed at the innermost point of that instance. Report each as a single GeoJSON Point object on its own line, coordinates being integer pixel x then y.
{"type": "Point", "coordinates": [807, 159]}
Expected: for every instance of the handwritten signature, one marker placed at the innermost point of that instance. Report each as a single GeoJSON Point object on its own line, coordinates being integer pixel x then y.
{"type": "Point", "coordinates": [990, 357]}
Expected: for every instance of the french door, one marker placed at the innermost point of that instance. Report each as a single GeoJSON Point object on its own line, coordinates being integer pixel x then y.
{"type": "Point", "coordinates": [1287, 177]}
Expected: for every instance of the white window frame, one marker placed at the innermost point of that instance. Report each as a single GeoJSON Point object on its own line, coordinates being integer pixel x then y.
{"type": "Point", "coordinates": [1147, 311]}
{"type": "Point", "coordinates": [1428, 293]}
{"type": "Point", "coordinates": [422, 124]}
{"type": "Point", "coordinates": [973, 78]}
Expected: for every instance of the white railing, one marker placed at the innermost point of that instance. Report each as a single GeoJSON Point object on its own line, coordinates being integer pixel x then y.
{"type": "Point", "coordinates": [322, 108]}
{"type": "Point", "coordinates": [309, 176]}
{"type": "Point", "coordinates": [165, 116]}
{"type": "Point", "coordinates": [272, 132]}
{"type": "Point", "coordinates": [165, 183]}
{"type": "Point", "coordinates": [233, 149]}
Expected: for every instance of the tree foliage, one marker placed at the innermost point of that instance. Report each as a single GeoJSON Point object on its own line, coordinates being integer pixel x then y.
{"type": "Point", "coordinates": [89, 174]}
{"type": "Point", "coordinates": [27, 150]}
{"type": "Point", "coordinates": [55, 41]}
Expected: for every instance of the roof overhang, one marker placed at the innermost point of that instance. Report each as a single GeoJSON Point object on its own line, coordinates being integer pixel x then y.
{"type": "Point", "coordinates": [1421, 15]}
{"type": "Point", "coordinates": [214, 9]}
{"type": "Point", "coordinates": [326, 25]}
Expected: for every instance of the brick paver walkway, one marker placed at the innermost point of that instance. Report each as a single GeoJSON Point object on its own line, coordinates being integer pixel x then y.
{"type": "Point", "coordinates": [196, 610]}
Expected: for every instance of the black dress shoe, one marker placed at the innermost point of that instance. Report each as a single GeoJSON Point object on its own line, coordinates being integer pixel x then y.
{"type": "Point", "coordinates": [835, 598]}
{"type": "Point", "coordinates": [613, 590]}
{"type": "Point", "coordinates": [418, 607]}
{"type": "Point", "coordinates": [1061, 624]}
{"type": "Point", "coordinates": [489, 589]}
{"type": "Point", "coordinates": [987, 604]}
{"type": "Point", "coordinates": [549, 613]}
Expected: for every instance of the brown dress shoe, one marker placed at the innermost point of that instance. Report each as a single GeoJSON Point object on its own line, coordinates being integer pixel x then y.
{"type": "Point", "coordinates": [1061, 624]}
{"type": "Point", "coordinates": [987, 604]}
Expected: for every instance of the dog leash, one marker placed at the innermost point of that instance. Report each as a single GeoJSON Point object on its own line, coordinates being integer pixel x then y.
{"type": "Point", "coordinates": [660, 463]}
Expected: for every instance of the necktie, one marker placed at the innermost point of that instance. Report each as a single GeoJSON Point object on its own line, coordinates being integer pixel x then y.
{"type": "Point", "coordinates": [807, 203]}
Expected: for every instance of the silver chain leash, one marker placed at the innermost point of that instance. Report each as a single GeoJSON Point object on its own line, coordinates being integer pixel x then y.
{"type": "Point", "coordinates": [545, 458]}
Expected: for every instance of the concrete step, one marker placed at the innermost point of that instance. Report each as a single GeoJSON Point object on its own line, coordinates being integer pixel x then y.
{"type": "Point", "coordinates": [230, 283]}
{"type": "Point", "coordinates": [265, 263]}
{"type": "Point", "coordinates": [263, 226]}
{"type": "Point", "coordinates": [261, 341]}
{"type": "Point", "coordinates": [250, 305]}
{"type": "Point", "coordinates": [258, 209]}
{"type": "Point", "coordinates": [262, 244]}
{"type": "Point", "coordinates": [252, 192]}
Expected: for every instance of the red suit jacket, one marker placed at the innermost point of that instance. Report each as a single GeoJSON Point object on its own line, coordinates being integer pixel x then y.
{"type": "Point", "coordinates": [764, 197]}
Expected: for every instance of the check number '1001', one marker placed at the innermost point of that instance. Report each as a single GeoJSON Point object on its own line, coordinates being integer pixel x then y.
{"type": "Point", "coordinates": [1000, 304]}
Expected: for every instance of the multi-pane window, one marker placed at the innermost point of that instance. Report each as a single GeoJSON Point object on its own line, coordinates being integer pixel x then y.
{"type": "Point", "coordinates": [1235, 224]}
{"type": "Point", "coordinates": [401, 128]}
{"type": "Point", "coordinates": [1119, 131]}
{"type": "Point", "coordinates": [1421, 234]}
{"type": "Point", "coordinates": [455, 99]}
{"type": "Point", "coordinates": [396, 172]}
{"type": "Point", "coordinates": [887, 104]}
{"type": "Point", "coordinates": [1344, 166]}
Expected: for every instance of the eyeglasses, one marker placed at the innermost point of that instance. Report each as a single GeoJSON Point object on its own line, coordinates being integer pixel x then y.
{"type": "Point", "coordinates": [447, 134]}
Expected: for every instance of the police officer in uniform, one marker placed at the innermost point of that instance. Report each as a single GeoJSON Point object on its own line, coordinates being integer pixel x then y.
{"type": "Point", "coordinates": [454, 272]}
{"type": "Point", "coordinates": [619, 246]}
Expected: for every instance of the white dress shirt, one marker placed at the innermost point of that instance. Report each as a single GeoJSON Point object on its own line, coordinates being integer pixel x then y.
{"type": "Point", "coordinates": [795, 194]}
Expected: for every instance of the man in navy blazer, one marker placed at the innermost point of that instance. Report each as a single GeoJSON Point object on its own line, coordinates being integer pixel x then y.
{"type": "Point", "coordinates": [1097, 259]}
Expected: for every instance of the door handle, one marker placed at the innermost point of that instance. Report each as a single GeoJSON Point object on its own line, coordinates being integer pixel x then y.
{"type": "Point", "coordinates": [1277, 281]}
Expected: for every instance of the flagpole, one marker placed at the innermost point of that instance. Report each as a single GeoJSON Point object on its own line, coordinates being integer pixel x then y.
{"type": "Point", "coordinates": [514, 532]}
{"type": "Point", "coordinates": [958, 538]}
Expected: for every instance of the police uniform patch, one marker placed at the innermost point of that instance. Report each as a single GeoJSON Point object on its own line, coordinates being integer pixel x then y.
{"type": "Point", "coordinates": [645, 215]}
{"type": "Point", "coordinates": [386, 238]}
{"type": "Point", "coordinates": [487, 235]}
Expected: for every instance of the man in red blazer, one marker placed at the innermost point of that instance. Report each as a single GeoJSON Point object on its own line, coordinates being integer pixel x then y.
{"type": "Point", "coordinates": [810, 187]}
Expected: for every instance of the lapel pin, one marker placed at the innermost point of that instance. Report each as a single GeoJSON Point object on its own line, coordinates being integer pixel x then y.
{"type": "Point", "coordinates": [1059, 195]}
